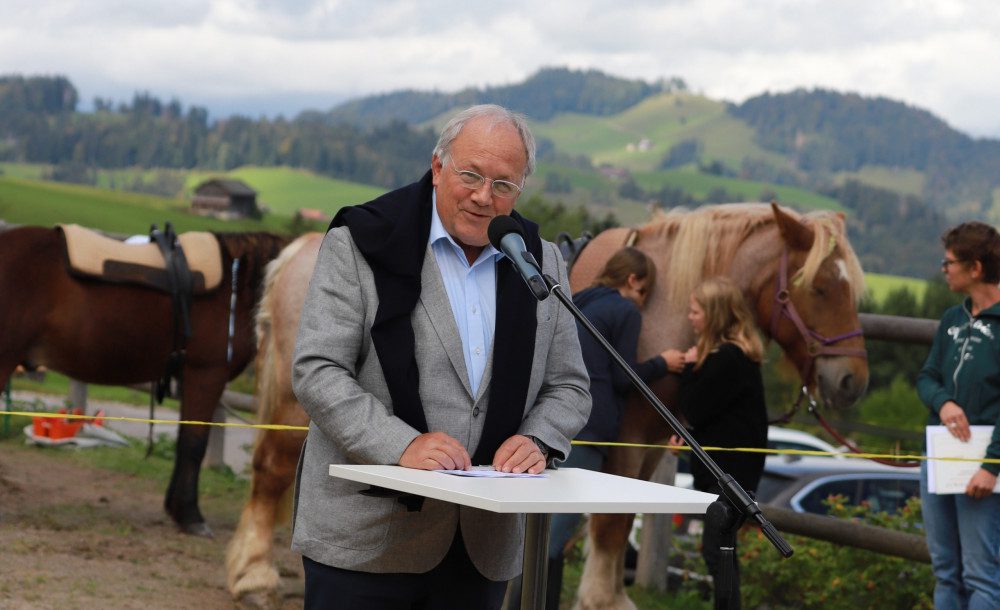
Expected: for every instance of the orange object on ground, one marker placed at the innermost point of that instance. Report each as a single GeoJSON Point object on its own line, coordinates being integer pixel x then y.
{"type": "Point", "coordinates": [55, 428]}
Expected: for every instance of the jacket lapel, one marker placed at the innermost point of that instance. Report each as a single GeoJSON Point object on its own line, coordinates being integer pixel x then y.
{"type": "Point", "coordinates": [434, 299]}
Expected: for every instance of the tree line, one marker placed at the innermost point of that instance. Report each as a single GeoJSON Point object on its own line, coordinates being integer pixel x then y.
{"type": "Point", "coordinates": [39, 124]}
{"type": "Point", "coordinates": [824, 131]}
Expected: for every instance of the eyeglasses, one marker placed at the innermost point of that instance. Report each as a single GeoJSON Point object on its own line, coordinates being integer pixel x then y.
{"type": "Point", "coordinates": [947, 262]}
{"type": "Point", "coordinates": [500, 188]}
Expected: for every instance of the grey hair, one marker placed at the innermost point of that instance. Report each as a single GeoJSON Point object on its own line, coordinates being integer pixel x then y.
{"type": "Point", "coordinates": [498, 115]}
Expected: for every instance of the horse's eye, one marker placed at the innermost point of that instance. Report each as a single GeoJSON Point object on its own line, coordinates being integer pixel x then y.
{"type": "Point", "coordinates": [819, 292]}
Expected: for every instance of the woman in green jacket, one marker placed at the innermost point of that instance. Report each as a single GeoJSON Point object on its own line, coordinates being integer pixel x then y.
{"type": "Point", "coordinates": [960, 384]}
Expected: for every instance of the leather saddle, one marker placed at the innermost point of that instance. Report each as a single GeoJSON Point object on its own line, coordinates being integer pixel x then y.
{"type": "Point", "coordinates": [93, 255]}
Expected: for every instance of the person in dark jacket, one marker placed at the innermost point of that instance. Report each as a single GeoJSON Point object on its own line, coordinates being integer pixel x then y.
{"type": "Point", "coordinates": [612, 304]}
{"type": "Point", "coordinates": [960, 384]}
{"type": "Point", "coordinates": [722, 396]}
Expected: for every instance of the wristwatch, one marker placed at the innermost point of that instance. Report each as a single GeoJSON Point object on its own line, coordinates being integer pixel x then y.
{"type": "Point", "coordinates": [541, 446]}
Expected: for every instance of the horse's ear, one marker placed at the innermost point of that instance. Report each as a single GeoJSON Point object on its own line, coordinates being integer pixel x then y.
{"type": "Point", "coordinates": [797, 235]}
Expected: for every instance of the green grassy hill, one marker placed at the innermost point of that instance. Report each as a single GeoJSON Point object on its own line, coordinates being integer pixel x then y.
{"type": "Point", "coordinates": [900, 180]}
{"type": "Point", "coordinates": [33, 171]}
{"type": "Point", "coordinates": [49, 203]}
{"type": "Point", "coordinates": [879, 285]}
{"type": "Point", "coordinates": [700, 184]}
{"type": "Point", "coordinates": [284, 189]}
{"type": "Point", "coordinates": [664, 120]}
{"type": "Point", "coordinates": [25, 198]}
{"type": "Point", "coordinates": [639, 138]}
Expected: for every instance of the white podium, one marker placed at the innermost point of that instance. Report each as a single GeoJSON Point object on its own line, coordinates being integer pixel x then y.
{"type": "Point", "coordinates": [567, 490]}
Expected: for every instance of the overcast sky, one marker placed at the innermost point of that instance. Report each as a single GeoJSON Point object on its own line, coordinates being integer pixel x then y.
{"type": "Point", "coordinates": [282, 56]}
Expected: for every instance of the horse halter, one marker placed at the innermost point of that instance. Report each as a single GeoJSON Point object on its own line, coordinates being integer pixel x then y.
{"type": "Point", "coordinates": [816, 343]}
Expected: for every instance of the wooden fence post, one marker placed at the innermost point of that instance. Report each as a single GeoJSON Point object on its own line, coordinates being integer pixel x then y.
{"type": "Point", "coordinates": [215, 453]}
{"type": "Point", "coordinates": [657, 535]}
{"type": "Point", "coordinates": [78, 395]}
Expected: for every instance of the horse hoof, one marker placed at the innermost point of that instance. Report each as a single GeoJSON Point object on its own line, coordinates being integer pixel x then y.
{"type": "Point", "coordinates": [258, 600]}
{"type": "Point", "coordinates": [198, 529]}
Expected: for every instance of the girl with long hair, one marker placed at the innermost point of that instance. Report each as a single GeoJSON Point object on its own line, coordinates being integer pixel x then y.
{"type": "Point", "coordinates": [722, 395]}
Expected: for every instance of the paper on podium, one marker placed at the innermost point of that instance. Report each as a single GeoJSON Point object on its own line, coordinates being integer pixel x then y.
{"type": "Point", "coordinates": [491, 473]}
{"type": "Point", "coordinates": [951, 477]}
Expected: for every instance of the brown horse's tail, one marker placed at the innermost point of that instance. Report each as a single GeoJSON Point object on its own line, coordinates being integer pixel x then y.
{"type": "Point", "coordinates": [266, 365]}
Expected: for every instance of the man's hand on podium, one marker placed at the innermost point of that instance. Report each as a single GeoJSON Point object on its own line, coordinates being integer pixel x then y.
{"type": "Point", "coordinates": [435, 451]}
{"type": "Point", "coordinates": [519, 454]}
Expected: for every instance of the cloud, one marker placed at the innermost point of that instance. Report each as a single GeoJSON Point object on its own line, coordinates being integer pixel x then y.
{"type": "Point", "coordinates": [934, 54]}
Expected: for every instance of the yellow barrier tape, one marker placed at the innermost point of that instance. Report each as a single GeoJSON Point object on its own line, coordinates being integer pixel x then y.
{"type": "Point", "coordinates": [884, 456]}
{"type": "Point", "coordinates": [142, 420]}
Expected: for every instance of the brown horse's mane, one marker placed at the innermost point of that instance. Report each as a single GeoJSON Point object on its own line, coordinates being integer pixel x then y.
{"type": "Point", "coordinates": [720, 230]}
{"type": "Point", "coordinates": [254, 249]}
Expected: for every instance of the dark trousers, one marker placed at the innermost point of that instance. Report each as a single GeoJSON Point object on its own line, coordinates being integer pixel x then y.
{"type": "Point", "coordinates": [454, 584]}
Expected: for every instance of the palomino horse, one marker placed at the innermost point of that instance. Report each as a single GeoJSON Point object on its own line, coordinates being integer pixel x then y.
{"type": "Point", "coordinates": [802, 280]}
{"type": "Point", "coordinates": [752, 243]}
{"type": "Point", "coordinates": [250, 571]}
{"type": "Point", "coordinates": [99, 332]}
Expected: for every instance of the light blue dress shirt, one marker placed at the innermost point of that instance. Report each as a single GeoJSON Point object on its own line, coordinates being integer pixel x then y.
{"type": "Point", "coordinates": [472, 293]}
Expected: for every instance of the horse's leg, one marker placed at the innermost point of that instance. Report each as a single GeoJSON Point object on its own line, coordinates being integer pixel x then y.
{"type": "Point", "coordinates": [602, 582]}
{"type": "Point", "coordinates": [250, 571]}
{"type": "Point", "coordinates": [202, 388]}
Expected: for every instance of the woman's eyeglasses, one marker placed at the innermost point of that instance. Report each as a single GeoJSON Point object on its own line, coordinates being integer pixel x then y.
{"type": "Point", "coordinates": [947, 262]}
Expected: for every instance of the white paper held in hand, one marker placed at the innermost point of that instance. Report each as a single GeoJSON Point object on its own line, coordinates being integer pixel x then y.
{"type": "Point", "coordinates": [948, 476]}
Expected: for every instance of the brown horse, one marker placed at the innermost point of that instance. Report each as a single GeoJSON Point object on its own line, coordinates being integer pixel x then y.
{"type": "Point", "coordinates": [802, 280]}
{"type": "Point", "coordinates": [751, 243]}
{"type": "Point", "coordinates": [99, 332]}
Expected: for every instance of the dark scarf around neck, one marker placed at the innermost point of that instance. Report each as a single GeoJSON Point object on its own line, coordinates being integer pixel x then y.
{"type": "Point", "coordinates": [392, 233]}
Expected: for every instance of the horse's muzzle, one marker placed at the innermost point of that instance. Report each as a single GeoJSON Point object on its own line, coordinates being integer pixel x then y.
{"type": "Point", "coordinates": [841, 380]}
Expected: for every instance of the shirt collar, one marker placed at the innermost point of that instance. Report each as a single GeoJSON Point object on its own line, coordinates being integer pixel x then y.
{"type": "Point", "coordinates": [438, 233]}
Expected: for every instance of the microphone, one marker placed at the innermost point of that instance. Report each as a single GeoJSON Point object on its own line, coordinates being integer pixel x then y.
{"type": "Point", "coordinates": [506, 236]}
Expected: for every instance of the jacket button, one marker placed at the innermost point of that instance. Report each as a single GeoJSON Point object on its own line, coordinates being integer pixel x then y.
{"type": "Point", "coordinates": [475, 412]}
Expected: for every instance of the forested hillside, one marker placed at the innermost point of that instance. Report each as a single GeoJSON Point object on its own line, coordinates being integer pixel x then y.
{"type": "Point", "coordinates": [824, 131]}
{"type": "Point", "coordinates": [611, 147]}
{"type": "Point", "coordinates": [542, 96]}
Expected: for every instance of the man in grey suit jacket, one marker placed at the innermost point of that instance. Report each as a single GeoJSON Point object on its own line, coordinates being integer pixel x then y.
{"type": "Point", "coordinates": [419, 345]}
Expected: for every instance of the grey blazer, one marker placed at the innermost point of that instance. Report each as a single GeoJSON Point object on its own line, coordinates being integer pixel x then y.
{"type": "Point", "coordinates": [338, 379]}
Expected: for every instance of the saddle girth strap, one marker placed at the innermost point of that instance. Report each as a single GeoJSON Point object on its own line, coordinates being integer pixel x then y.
{"type": "Point", "coordinates": [181, 284]}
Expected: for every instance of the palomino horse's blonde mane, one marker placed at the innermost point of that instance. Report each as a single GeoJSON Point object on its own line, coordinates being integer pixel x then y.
{"type": "Point", "coordinates": [722, 229]}
{"type": "Point", "coordinates": [266, 401]}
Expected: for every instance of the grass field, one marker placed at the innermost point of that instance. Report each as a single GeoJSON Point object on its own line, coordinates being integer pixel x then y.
{"type": "Point", "coordinates": [700, 184]}
{"type": "Point", "coordinates": [285, 189]}
{"type": "Point", "coordinates": [49, 203]}
{"type": "Point", "coordinates": [905, 181]}
{"type": "Point", "coordinates": [58, 384]}
{"type": "Point", "coordinates": [663, 120]}
{"type": "Point", "coordinates": [31, 171]}
{"type": "Point", "coordinates": [880, 285]}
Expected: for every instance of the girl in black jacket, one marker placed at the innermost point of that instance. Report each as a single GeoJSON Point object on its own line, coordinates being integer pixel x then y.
{"type": "Point", "coordinates": [722, 394]}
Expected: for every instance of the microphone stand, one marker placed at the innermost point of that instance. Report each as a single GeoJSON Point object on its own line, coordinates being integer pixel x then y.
{"type": "Point", "coordinates": [734, 505]}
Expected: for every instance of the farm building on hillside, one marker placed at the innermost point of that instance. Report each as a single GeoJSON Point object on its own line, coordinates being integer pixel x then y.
{"type": "Point", "coordinates": [223, 198]}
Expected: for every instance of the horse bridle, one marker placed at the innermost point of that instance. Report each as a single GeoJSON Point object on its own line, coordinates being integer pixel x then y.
{"type": "Point", "coordinates": [817, 345]}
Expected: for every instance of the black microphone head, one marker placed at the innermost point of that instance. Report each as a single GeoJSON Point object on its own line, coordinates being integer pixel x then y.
{"type": "Point", "coordinates": [500, 226]}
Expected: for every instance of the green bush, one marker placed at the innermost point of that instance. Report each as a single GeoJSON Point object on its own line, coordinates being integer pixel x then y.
{"type": "Point", "coordinates": [834, 577]}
